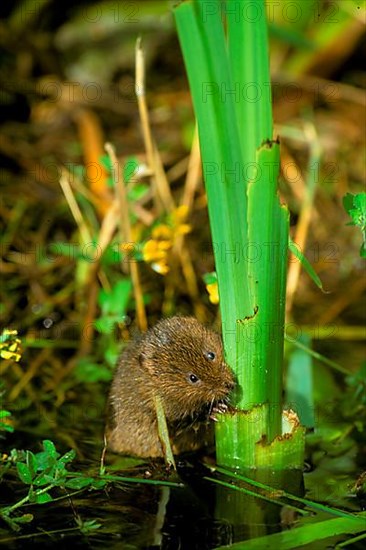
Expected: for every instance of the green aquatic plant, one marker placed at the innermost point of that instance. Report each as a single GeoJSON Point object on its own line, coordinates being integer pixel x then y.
{"type": "Point", "coordinates": [226, 56]}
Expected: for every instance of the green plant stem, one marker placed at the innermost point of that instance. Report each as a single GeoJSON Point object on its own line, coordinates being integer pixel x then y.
{"type": "Point", "coordinates": [8, 509]}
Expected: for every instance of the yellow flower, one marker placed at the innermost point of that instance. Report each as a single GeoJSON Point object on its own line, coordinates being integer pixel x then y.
{"type": "Point", "coordinates": [213, 293]}
{"type": "Point", "coordinates": [10, 345]}
{"type": "Point", "coordinates": [163, 235]}
{"type": "Point", "coordinates": [179, 214]}
{"type": "Point", "coordinates": [183, 229]}
{"type": "Point", "coordinates": [162, 232]}
{"type": "Point", "coordinates": [160, 267]}
{"type": "Point", "coordinates": [154, 250]}
{"type": "Point", "coordinates": [178, 218]}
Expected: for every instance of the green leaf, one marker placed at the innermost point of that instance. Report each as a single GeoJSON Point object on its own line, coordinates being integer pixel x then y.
{"type": "Point", "coordinates": [44, 479]}
{"type": "Point", "coordinates": [210, 278]}
{"type": "Point", "coordinates": [45, 462]}
{"type": "Point", "coordinates": [111, 354]}
{"type": "Point", "coordinates": [305, 263]}
{"type": "Point", "coordinates": [6, 427]}
{"type": "Point", "coordinates": [355, 205]}
{"type": "Point", "coordinates": [112, 255]}
{"type": "Point", "coordinates": [106, 323]}
{"type": "Point", "coordinates": [31, 463]}
{"type": "Point", "coordinates": [25, 518]}
{"type": "Point", "coordinates": [68, 250]}
{"type": "Point", "coordinates": [24, 473]}
{"type": "Point", "coordinates": [47, 459]}
{"type": "Point", "coordinates": [89, 525]}
{"type": "Point", "coordinates": [348, 202]}
{"type": "Point", "coordinates": [115, 301]}
{"type": "Point", "coordinates": [79, 482]}
{"type": "Point", "coordinates": [363, 250]}
{"type": "Point", "coordinates": [67, 457]}
{"type": "Point", "coordinates": [43, 498]}
{"type": "Point", "coordinates": [106, 162]}
{"type": "Point", "coordinates": [360, 202]}
{"type": "Point", "coordinates": [87, 371]}
{"type": "Point", "coordinates": [138, 191]}
{"type": "Point", "coordinates": [50, 448]}
{"type": "Point", "coordinates": [205, 53]}
{"type": "Point", "coordinates": [130, 169]}
{"type": "Point", "coordinates": [99, 483]}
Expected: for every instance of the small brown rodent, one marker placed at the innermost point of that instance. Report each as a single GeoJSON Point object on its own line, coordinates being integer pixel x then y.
{"type": "Point", "coordinates": [183, 362]}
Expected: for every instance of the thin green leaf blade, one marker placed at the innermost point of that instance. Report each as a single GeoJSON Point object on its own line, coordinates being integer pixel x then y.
{"type": "Point", "coordinates": [305, 263]}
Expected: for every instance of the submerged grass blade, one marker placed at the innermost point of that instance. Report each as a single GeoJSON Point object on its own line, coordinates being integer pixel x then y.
{"type": "Point", "coordinates": [284, 494]}
{"type": "Point", "coordinates": [272, 500]}
{"type": "Point", "coordinates": [307, 534]}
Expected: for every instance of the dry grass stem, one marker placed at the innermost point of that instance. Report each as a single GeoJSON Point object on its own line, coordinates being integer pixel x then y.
{"type": "Point", "coordinates": [194, 172]}
{"type": "Point", "coordinates": [178, 169]}
{"type": "Point", "coordinates": [162, 195]}
{"type": "Point", "coordinates": [125, 233]}
{"type": "Point", "coordinates": [339, 90]}
{"type": "Point", "coordinates": [180, 249]}
{"type": "Point", "coordinates": [162, 181]}
{"type": "Point", "coordinates": [74, 207]}
{"type": "Point", "coordinates": [108, 228]}
{"type": "Point", "coordinates": [26, 376]}
{"type": "Point", "coordinates": [303, 224]}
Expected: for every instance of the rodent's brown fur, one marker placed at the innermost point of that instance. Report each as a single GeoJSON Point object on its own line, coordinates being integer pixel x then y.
{"type": "Point", "coordinates": [163, 360]}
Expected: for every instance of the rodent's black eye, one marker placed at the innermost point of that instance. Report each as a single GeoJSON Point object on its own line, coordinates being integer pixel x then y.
{"type": "Point", "coordinates": [193, 378]}
{"type": "Point", "coordinates": [210, 355]}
